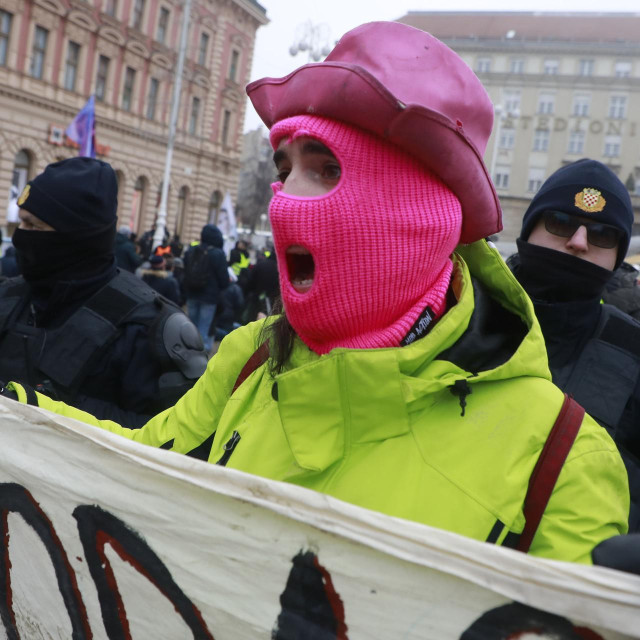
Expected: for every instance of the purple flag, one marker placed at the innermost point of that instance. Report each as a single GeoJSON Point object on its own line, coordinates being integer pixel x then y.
{"type": "Point", "coordinates": [83, 128]}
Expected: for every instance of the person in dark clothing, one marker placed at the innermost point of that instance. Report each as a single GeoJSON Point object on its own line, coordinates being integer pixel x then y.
{"type": "Point", "coordinates": [158, 278]}
{"type": "Point", "coordinates": [8, 264]}
{"type": "Point", "coordinates": [202, 294]}
{"type": "Point", "coordinates": [622, 290]}
{"type": "Point", "coordinates": [229, 311]}
{"type": "Point", "coordinates": [74, 325]}
{"type": "Point", "coordinates": [125, 251]}
{"type": "Point", "coordinates": [177, 270]}
{"type": "Point", "coordinates": [239, 262]}
{"type": "Point", "coordinates": [574, 234]}
{"type": "Point", "coordinates": [145, 243]}
{"type": "Point", "coordinates": [263, 288]}
{"type": "Point", "coordinates": [176, 246]}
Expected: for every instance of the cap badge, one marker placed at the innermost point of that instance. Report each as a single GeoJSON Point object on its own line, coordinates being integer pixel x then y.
{"type": "Point", "coordinates": [24, 195]}
{"type": "Point", "coordinates": [590, 200]}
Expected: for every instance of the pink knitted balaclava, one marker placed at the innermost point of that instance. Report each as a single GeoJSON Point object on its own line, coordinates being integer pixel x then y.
{"type": "Point", "coordinates": [380, 241]}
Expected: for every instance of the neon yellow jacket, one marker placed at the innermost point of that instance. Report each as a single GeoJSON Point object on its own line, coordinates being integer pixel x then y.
{"type": "Point", "coordinates": [243, 263]}
{"type": "Point", "coordinates": [381, 428]}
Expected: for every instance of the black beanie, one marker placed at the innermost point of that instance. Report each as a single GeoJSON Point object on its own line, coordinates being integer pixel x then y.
{"type": "Point", "coordinates": [584, 188]}
{"type": "Point", "coordinates": [73, 195]}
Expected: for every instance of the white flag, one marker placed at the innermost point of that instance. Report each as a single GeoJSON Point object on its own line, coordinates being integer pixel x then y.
{"type": "Point", "coordinates": [227, 224]}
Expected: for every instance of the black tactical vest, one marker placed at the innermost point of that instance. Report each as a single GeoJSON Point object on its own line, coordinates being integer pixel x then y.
{"type": "Point", "coordinates": [62, 357]}
{"type": "Point", "coordinates": [605, 375]}
{"type": "Point", "coordinates": [604, 380]}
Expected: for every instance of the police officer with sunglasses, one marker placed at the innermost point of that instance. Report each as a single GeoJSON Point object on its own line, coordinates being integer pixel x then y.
{"type": "Point", "coordinates": [574, 234]}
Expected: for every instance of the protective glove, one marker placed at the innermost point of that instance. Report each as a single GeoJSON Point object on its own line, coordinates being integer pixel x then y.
{"type": "Point", "coordinates": [620, 552]}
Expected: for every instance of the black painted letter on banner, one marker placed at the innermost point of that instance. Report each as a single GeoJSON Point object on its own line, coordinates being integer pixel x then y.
{"type": "Point", "coordinates": [16, 499]}
{"type": "Point", "coordinates": [98, 528]}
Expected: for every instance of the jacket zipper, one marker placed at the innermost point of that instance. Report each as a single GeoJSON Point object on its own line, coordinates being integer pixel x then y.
{"type": "Point", "coordinates": [229, 448]}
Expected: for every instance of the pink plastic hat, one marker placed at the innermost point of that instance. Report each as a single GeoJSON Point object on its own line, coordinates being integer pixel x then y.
{"type": "Point", "coordinates": [409, 88]}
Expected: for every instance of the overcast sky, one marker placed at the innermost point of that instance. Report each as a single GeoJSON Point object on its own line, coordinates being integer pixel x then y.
{"type": "Point", "coordinates": [272, 58]}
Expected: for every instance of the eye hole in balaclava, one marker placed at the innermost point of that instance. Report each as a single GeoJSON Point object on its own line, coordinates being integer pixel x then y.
{"type": "Point", "coordinates": [317, 171]}
{"type": "Point", "coordinates": [380, 241]}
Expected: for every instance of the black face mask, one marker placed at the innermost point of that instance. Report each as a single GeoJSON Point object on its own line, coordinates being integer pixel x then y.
{"type": "Point", "coordinates": [553, 276]}
{"type": "Point", "coordinates": [48, 257]}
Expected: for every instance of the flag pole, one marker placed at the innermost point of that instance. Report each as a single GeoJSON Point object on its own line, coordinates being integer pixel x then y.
{"type": "Point", "coordinates": [161, 220]}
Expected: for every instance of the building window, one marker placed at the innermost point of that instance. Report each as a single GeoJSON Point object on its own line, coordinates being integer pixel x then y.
{"type": "Point", "coordinates": [611, 146]}
{"type": "Point", "coordinates": [214, 206]}
{"type": "Point", "coordinates": [71, 66]}
{"type": "Point", "coordinates": [226, 123]}
{"type": "Point", "coordinates": [39, 50]}
{"type": "Point", "coordinates": [576, 142]}
{"type": "Point", "coordinates": [501, 178]}
{"type": "Point", "coordinates": [233, 65]}
{"type": "Point", "coordinates": [483, 65]}
{"type": "Point", "coordinates": [536, 177]}
{"type": "Point", "coordinates": [581, 104]}
{"type": "Point", "coordinates": [511, 101]}
{"type": "Point", "coordinates": [101, 77]}
{"type": "Point", "coordinates": [138, 11]}
{"type": "Point", "coordinates": [585, 67]}
{"type": "Point", "coordinates": [195, 115]}
{"type": "Point", "coordinates": [507, 138]}
{"type": "Point", "coordinates": [5, 30]}
{"type": "Point", "coordinates": [550, 67]}
{"type": "Point", "coordinates": [516, 65]}
{"type": "Point", "coordinates": [204, 48]}
{"type": "Point", "coordinates": [127, 92]}
{"type": "Point", "coordinates": [163, 23]}
{"type": "Point", "coordinates": [138, 202]}
{"type": "Point", "coordinates": [21, 173]}
{"type": "Point", "coordinates": [617, 106]}
{"type": "Point", "coordinates": [110, 7]}
{"type": "Point", "coordinates": [541, 140]}
{"type": "Point", "coordinates": [546, 103]}
{"type": "Point", "coordinates": [152, 100]}
{"type": "Point", "coordinates": [622, 69]}
{"type": "Point", "coordinates": [181, 214]}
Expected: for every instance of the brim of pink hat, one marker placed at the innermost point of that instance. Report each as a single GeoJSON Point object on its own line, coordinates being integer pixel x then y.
{"type": "Point", "coordinates": [348, 93]}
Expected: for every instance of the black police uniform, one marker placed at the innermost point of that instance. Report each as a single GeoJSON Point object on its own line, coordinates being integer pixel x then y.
{"type": "Point", "coordinates": [73, 325]}
{"type": "Point", "coordinates": [593, 348]}
{"type": "Point", "coordinates": [124, 354]}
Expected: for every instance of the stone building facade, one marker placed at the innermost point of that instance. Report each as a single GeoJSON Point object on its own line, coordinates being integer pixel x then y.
{"type": "Point", "coordinates": [54, 54]}
{"type": "Point", "coordinates": [564, 85]}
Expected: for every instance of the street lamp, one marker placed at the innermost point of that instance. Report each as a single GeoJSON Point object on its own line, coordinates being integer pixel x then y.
{"type": "Point", "coordinates": [312, 38]}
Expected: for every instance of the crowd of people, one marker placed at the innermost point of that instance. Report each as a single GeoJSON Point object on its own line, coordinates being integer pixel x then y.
{"type": "Point", "coordinates": [396, 361]}
{"type": "Point", "coordinates": [219, 293]}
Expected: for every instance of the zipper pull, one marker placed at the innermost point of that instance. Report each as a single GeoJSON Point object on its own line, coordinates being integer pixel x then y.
{"type": "Point", "coordinates": [229, 447]}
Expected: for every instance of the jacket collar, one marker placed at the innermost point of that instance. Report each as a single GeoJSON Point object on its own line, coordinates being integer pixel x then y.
{"type": "Point", "coordinates": [359, 396]}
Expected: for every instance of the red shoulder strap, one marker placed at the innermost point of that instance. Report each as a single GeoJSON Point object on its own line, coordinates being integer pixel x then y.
{"type": "Point", "coordinates": [547, 469]}
{"type": "Point", "coordinates": [257, 359]}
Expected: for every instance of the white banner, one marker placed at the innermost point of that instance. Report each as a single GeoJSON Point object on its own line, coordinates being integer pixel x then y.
{"type": "Point", "coordinates": [105, 538]}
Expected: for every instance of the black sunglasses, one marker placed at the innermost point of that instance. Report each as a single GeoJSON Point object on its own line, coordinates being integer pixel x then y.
{"type": "Point", "coordinates": [565, 225]}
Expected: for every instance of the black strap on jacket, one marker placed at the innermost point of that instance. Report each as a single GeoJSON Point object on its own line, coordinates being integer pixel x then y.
{"type": "Point", "coordinates": [550, 462]}
{"type": "Point", "coordinates": [255, 361]}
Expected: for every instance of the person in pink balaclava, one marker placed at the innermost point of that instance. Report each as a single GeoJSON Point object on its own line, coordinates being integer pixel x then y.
{"type": "Point", "coordinates": [405, 372]}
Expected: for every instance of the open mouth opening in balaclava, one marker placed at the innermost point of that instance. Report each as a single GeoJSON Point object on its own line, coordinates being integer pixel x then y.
{"type": "Point", "coordinates": [300, 268]}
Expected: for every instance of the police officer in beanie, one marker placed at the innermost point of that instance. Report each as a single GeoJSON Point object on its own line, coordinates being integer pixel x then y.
{"type": "Point", "coordinates": [74, 325]}
{"type": "Point", "coordinates": [575, 233]}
